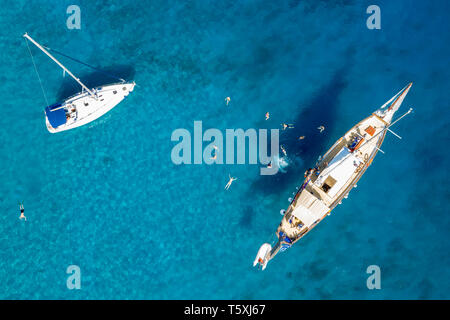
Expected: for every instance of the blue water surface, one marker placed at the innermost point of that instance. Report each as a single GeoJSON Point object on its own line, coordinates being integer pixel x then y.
{"type": "Point", "coordinates": [108, 198]}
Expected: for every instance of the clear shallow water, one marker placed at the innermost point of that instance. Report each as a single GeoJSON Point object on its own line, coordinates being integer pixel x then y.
{"type": "Point", "coordinates": [107, 197]}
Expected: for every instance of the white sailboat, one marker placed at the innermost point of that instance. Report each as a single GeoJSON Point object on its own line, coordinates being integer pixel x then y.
{"type": "Point", "coordinates": [335, 174]}
{"type": "Point", "coordinates": [85, 106]}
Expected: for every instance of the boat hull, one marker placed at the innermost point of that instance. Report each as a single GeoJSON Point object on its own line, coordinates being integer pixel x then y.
{"type": "Point", "coordinates": [82, 108]}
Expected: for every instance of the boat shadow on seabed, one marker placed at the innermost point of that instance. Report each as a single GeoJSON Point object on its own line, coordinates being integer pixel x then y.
{"type": "Point", "coordinates": [321, 110]}
{"type": "Point", "coordinates": [96, 78]}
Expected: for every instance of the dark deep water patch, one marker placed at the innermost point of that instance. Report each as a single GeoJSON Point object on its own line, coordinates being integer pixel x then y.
{"type": "Point", "coordinates": [248, 214]}
{"type": "Point", "coordinates": [321, 110]}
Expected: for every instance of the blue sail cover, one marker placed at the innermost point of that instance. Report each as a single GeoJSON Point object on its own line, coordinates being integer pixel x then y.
{"type": "Point", "coordinates": [55, 117]}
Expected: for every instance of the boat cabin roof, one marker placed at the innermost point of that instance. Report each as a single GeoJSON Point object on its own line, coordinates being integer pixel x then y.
{"type": "Point", "coordinates": [338, 172]}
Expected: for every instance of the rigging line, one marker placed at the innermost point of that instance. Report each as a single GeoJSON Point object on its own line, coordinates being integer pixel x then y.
{"type": "Point", "coordinates": [37, 72]}
{"type": "Point", "coordinates": [386, 128]}
{"type": "Point", "coordinates": [83, 63]}
{"type": "Point", "coordinates": [272, 238]}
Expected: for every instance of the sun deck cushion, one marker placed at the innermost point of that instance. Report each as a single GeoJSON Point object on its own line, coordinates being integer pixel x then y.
{"type": "Point", "coordinates": [55, 116]}
{"type": "Point", "coordinates": [309, 208]}
{"type": "Point", "coordinates": [370, 130]}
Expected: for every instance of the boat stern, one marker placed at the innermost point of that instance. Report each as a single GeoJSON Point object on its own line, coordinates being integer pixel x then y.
{"type": "Point", "coordinates": [49, 126]}
{"type": "Point", "coordinates": [55, 117]}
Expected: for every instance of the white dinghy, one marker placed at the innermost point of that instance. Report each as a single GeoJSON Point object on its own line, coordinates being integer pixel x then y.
{"type": "Point", "coordinates": [83, 107]}
{"type": "Point", "coordinates": [262, 258]}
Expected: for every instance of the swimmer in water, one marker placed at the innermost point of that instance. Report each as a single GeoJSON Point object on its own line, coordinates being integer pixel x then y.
{"type": "Point", "coordinates": [227, 100]}
{"type": "Point", "coordinates": [230, 182]}
{"type": "Point", "coordinates": [269, 165]}
{"type": "Point", "coordinates": [284, 151]}
{"type": "Point", "coordinates": [22, 210]}
{"type": "Point", "coordinates": [301, 138]}
{"type": "Point", "coordinates": [287, 126]}
{"type": "Point", "coordinates": [267, 116]}
{"type": "Point", "coordinates": [215, 153]}
{"type": "Point", "coordinates": [321, 128]}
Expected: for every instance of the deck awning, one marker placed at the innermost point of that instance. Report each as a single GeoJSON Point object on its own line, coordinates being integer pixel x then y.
{"type": "Point", "coordinates": [309, 209]}
{"type": "Point", "coordinates": [340, 169]}
{"type": "Point", "coordinates": [55, 116]}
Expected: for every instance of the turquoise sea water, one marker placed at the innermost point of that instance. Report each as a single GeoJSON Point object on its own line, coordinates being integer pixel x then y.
{"type": "Point", "coordinates": [107, 197]}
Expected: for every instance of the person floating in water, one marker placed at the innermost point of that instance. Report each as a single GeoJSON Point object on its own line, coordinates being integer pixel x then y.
{"type": "Point", "coordinates": [267, 115]}
{"type": "Point", "coordinates": [287, 126]}
{"type": "Point", "coordinates": [301, 138]}
{"type": "Point", "coordinates": [227, 100]}
{"type": "Point", "coordinates": [284, 151]}
{"type": "Point", "coordinates": [230, 182]}
{"type": "Point", "coordinates": [321, 128]}
{"type": "Point", "coordinates": [215, 153]}
{"type": "Point", "coordinates": [22, 210]}
{"type": "Point", "coordinates": [269, 165]}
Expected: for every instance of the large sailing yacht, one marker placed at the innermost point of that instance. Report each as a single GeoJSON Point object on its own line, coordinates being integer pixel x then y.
{"type": "Point", "coordinates": [334, 175]}
{"type": "Point", "coordinates": [85, 106]}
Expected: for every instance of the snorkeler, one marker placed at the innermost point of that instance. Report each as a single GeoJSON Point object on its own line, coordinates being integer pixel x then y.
{"type": "Point", "coordinates": [267, 115]}
{"type": "Point", "coordinates": [301, 138]}
{"type": "Point", "coordinates": [22, 210]}
{"type": "Point", "coordinates": [321, 128]}
{"type": "Point", "coordinates": [227, 100]}
{"type": "Point", "coordinates": [230, 182]}
{"type": "Point", "coordinates": [287, 126]}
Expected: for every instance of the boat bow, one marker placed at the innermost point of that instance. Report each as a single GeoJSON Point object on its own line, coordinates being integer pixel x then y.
{"type": "Point", "coordinates": [387, 110]}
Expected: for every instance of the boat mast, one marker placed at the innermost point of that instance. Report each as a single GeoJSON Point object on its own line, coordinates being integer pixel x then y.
{"type": "Point", "coordinates": [60, 64]}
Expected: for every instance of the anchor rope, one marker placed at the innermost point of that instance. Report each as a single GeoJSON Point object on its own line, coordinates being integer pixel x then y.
{"type": "Point", "coordinates": [37, 73]}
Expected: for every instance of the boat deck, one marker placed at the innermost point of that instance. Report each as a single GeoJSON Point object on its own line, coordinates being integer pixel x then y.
{"type": "Point", "coordinates": [344, 163]}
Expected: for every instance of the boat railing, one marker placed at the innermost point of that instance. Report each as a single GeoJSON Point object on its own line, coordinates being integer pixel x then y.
{"type": "Point", "coordinates": [87, 94]}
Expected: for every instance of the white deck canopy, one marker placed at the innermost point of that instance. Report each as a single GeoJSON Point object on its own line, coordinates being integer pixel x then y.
{"type": "Point", "coordinates": [309, 208]}
{"type": "Point", "coordinates": [338, 171]}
